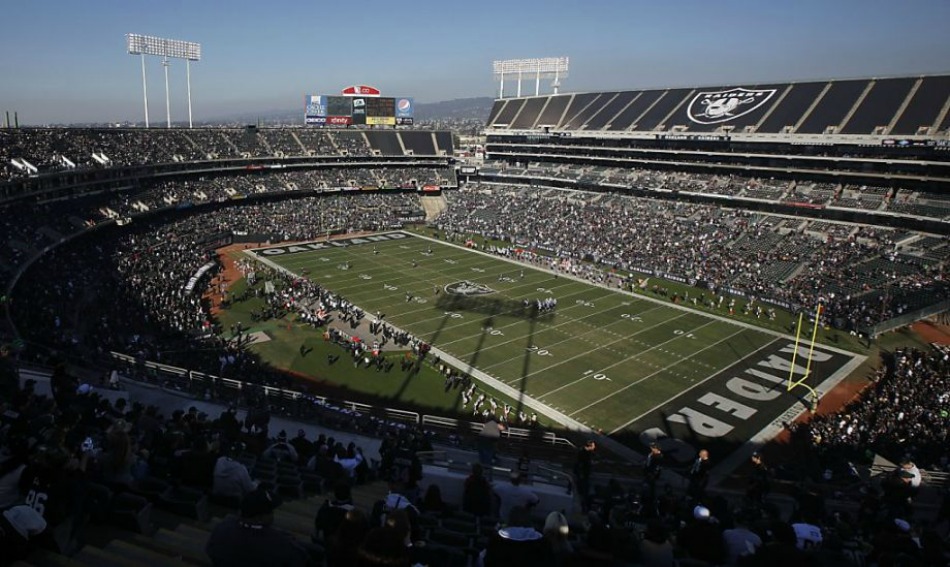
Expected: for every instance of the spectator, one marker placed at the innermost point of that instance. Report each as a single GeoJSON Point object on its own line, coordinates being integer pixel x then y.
{"type": "Point", "coordinates": [281, 450]}
{"type": "Point", "coordinates": [740, 541]}
{"type": "Point", "coordinates": [760, 482]}
{"type": "Point", "coordinates": [19, 527]}
{"type": "Point", "coordinates": [699, 476]}
{"type": "Point", "coordinates": [808, 534]}
{"type": "Point", "coordinates": [555, 533]}
{"type": "Point", "coordinates": [333, 511]}
{"type": "Point", "coordinates": [119, 456]}
{"type": "Point", "coordinates": [232, 481]}
{"type": "Point", "coordinates": [702, 537]}
{"type": "Point", "coordinates": [488, 440]}
{"type": "Point", "coordinates": [582, 472]}
{"type": "Point", "coordinates": [342, 544]}
{"type": "Point", "coordinates": [656, 550]}
{"type": "Point", "coordinates": [781, 551]}
{"type": "Point", "coordinates": [432, 502]}
{"type": "Point", "coordinates": [350, 459]}
{"type": "Point", "coordinates": [512, 494]}
{"type": "Point", "coordinates": [303, 446]}
{"type": "Point", "coordinates": [517, 544]}
{"type": "Point", "coordinates": [251, 538]}
{"type": "Point", "coordinates": [477, 493]}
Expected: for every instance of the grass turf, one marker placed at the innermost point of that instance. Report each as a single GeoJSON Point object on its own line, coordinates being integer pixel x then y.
{"type": "Point", "coordinates": [602, 357]}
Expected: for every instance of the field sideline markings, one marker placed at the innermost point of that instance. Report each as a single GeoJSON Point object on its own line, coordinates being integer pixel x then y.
{"type": "Point", "coordinates": [350, 296]}
{"type": "Point", "coordinates": [587, 288]}
{"type": "Point", "coordinates": [664, 369]}
{"type": "Point", "coordinates": [355, 292]}
{"type": "Point", "coordinates": [558, 326]}
{"type": "Point", "coordinates": [697, 384]}
{"type": "Point", "coordinates": [649, 298]}
{"type": "Point", "coordinates": [588, 352]}
{"type": "Point", "coordinates": [631, 357]}
{"type": "Point", "coordinates": [549, 326]}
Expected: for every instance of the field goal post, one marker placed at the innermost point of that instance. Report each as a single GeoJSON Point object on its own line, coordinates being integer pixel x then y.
{"type": "Point", "coordinates": [802, 382]}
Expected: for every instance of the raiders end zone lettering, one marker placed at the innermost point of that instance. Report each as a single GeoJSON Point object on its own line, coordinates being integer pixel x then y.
{"type": "Point", "coordinates": [739, 402]}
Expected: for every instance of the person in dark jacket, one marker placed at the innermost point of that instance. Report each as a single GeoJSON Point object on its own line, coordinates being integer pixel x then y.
{"type": "Point", "coordinates": [252, 540]}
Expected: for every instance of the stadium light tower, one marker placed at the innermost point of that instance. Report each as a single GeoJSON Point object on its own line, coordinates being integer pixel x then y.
{"type": "Point", "coordinates": [549, 67]}
{"type": "Point", "coordinates": [165, 48]}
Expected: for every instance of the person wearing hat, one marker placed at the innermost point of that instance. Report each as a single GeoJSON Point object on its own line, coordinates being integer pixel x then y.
{"type": "Point", "coordinates": [898, 491]}
{"type": "Point", "coordinates": [893, 541]}
{"type": "Point", "coordinates": [701, 538]}
{"type": "Point", "coordinates": [303, 446]}
{"type": "Point", "coordinates": [251, 539]}
{"type": "Point", "coordinates": [910, 471]}
{"type": "Point", "coordinates": [281, 450]}
{"type": "Point", "coordinates": [808, 534]}
{"type": "Point", "coordinates": [518, 544]}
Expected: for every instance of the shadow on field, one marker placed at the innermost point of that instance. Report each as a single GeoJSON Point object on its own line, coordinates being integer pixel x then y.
{"type": "Point", "coordinates": [410, 374]}
{"type": "Point", "coordinates": [526, 365]}
{"type": "Point", "coordinates": [490, 306]}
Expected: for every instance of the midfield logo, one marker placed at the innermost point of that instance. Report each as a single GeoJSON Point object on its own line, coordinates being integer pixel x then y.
{"type": "Point", "coordinates": [468, 288]}
{"type": "Point", "coordinates": [723, 106]}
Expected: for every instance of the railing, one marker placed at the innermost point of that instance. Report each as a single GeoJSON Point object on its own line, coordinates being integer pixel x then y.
{"type": "Point", "coordinates": [515, 433]}
{"type": "Point", "coordinates": [907, 319]}
{"type": "Point", "coordinates": [193, 380]}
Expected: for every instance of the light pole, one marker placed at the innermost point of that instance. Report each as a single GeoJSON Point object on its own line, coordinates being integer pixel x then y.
{"type": "Point", "coordinates": [548, 67]}
{"type": "Point", "coordinates": [165, 48]}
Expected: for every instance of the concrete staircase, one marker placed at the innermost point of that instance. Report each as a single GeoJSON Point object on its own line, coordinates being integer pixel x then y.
{"type": "Point", "coordinates": [433, 206]}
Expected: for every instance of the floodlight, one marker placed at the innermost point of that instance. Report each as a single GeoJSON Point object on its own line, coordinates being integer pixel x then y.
{"type": "Point", "coordinates": [165, 48]}
{"type": "Point", "coordinates": [547, 67]}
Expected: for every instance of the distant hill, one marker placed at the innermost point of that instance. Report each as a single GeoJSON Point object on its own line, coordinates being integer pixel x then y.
{"type": "Point", "coordinates": [458, 109]}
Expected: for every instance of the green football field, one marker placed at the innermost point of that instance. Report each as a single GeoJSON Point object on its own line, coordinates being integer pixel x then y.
{"type": "Point", "coordinates": [607, 359]}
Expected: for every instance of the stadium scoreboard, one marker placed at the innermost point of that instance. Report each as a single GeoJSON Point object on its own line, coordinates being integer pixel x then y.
{"type": "Point", "coordinates": [330, 110]}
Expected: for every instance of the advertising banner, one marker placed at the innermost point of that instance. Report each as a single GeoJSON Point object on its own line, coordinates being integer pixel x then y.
{"type": "Point", "coordinates": [404, 110]}
{"type": "Point", "coordinates": [315, 111]}
{"type": "Point", "coordinates": [359, 110]}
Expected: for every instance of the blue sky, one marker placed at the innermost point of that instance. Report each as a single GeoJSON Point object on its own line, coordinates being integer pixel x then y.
{"type": "Point", "coordinates": [65, 60]}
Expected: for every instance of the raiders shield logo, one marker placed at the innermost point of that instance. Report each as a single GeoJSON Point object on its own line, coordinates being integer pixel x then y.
{"type": "Point", "coordinates": [468, 288]}
{"type": "Point", "coordinates": [723, 106]}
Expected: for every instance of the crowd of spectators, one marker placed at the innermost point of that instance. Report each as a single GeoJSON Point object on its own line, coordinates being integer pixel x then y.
{"type": "Point", "coordinates": [811, 194]}
{"type": "Point", "coordinates": [27, 228]}
{"type": "Point", "coordinates": [76, 458]}
{"type": "Point", "coordinates": [136, 281]}
{"type": "Point", "coordinates": [50, 150]}
{"type": "Point", "coordinates": [904, 414]}
{"type": "Point", "coordinates": [859, 276]}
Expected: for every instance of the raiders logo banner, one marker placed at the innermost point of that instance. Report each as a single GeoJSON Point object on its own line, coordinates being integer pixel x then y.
{"type": "Point", "coordinates": [723, 106]}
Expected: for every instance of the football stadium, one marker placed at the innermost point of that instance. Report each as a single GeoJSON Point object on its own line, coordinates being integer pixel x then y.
{"type": "Point", "coordinates": [700, 325]}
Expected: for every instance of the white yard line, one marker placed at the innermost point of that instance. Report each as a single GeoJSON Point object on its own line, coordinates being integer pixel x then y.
{"type": "Point", "coordinates": [664, 369]}
{"type": "Point", "coordinates": [708, 378]}
{"type": "Point", "coordinates": [586, 353]}
{"type": "Point", "coordinates": [631, 357]}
